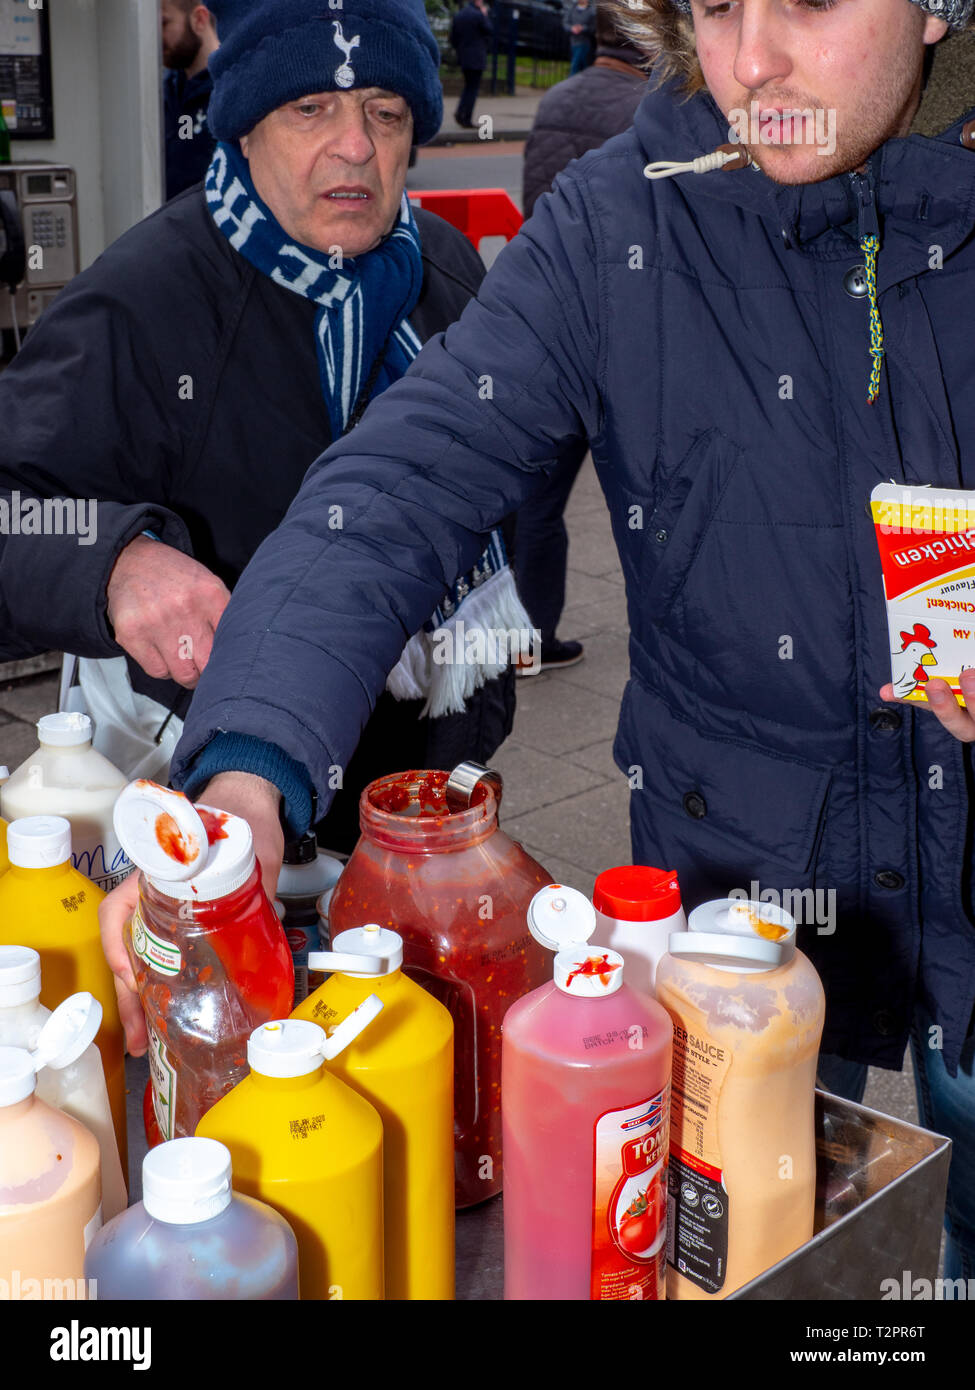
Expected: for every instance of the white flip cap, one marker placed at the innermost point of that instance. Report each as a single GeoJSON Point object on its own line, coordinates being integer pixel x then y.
{"type": "Point", "coordinates": [563, 919]}
{"type": "Point", "coordinates": [367, 951]}
{"type": "Point", "coordinates": [20, 975]}
{"type": "Point", "coordinates": [737, 936]}
{"type": "Point", "coordinates": [294, 1047]}
{"type": "Point", "coordinates": [589, 974]}
{"type": "Point", "coordinates": [163, 833]}
{"type": "Point", "coordinates": [160, 831]}
{"type": "Point", "coordinates": [39, 842]}
{"type": "Point", "coordinates": [70, 1029]}
{"type": "Point", "coordinates": [17, 1075]}
{"type": "Point", "coordinates": [66, 730]}
{"type": "Point", "coordinates": [186, 1180]}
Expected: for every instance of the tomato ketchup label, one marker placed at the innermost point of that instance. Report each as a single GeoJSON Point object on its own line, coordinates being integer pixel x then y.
{"type": "Point", "coordinates": [159, 955]}
{"type": "Point", "coordinates": [926, 538]}
{"type": "Point", "coordinates": [629, 1232]}
{"type": "Point", "coordinates": [162, 1077]}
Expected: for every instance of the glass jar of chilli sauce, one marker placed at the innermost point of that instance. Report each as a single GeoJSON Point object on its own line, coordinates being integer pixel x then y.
{"type": "Point", "coordinates": [456, 889]}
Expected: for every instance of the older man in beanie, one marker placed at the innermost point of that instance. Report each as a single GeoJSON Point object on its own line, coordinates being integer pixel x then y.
{"type": "Point", "coordinates": [188, 379]}
{"type": "Point", "coordinates": [750, 336]}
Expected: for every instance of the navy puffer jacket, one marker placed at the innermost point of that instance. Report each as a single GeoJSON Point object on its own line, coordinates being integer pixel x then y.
{"type": "Point", "coordinates": [700, 334]}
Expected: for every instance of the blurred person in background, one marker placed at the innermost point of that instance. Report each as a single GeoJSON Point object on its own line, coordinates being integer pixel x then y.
{"type": "Point", "coordinates": [470, 34]}
{"type": "Point", "coordinates": [189, 40]}
{"type": "Point", "coordinates": [580, 20]}
{"type": "Point", "coordinates": [577, 115]}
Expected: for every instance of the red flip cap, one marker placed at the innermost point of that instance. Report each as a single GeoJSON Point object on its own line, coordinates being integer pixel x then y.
{"type": "Point", "coordinates": [636, 893]}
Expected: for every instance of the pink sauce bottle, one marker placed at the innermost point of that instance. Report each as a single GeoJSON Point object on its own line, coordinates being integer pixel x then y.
{"type": "Point", "coordinates": [585, 1102]}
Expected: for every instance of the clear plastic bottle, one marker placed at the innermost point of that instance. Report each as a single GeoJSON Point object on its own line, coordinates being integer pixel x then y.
{"type": "Point", "coordinates": [50, 1188]}
{"type": "Point", "coordinates": [403, 1064]}
{"type": "Point", "coordinates": [191, 1237]}
{"type": "Point", "coordinates": [637, 909]}
{"type": "Point", "coordinates": [306, 1144]}
{"type": "Point", "coordinates": [50, 906]}
{"type": "Point", "coordinates": [67, 777]}
{"type": "Point", "coordinates": [74, 1081]}
{"type": "Point", "coordinates": [748, 1012]}
{"type": "Point", "coordinates": [210, 959]}
{"type": "Point", "coordinates": [586, 1099]}
{"type": "Point", "coordinates": [306, 875]}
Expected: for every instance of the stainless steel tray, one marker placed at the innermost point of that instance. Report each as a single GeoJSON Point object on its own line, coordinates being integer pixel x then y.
{"type": "Point", "coordinates": [880, 1197]}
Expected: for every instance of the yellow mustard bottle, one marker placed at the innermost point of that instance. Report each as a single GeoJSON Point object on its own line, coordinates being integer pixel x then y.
{"type": "Point", "coordinates": [302, 1141]}
{"type": "Point", "coordinates": [404, 1066]}
{"type": "Point", "coordinates": [47, 904]}
{"type": "Point", "coordinates": [4, 861]}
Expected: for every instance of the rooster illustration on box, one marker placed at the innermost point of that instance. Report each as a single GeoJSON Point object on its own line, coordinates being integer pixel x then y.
{"type": "Point", "coordinates": [908, 664]}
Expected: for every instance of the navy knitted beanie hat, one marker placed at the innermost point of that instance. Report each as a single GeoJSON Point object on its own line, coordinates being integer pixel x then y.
{"type": "Point", "coordinates": [955, 13]}
{"type": "Point", "coordinates": [274, 51]}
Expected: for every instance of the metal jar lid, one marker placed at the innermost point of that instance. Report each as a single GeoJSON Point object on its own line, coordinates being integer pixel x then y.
{"type": "Point", "coordinates": [462, 781]}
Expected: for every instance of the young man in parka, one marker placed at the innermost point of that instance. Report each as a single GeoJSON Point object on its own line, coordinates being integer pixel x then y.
{"type": "Point", "coordinates": [748, 349]}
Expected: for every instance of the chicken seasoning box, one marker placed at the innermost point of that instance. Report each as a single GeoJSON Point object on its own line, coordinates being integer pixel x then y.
{"type": "Point", "coordinates": [926, 538]}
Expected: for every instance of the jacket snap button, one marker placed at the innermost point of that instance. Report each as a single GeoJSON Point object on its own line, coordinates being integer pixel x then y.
{"type": "Point", "coordinates": [855, 282]}
{"type": "Point", "coordinates": [885, 721]}
{"type": "Point", "coordinates": [885, 1023]}
{"type": "Point", "coordinates": [695, 805]}
{"type": "Point", "coordinates": [662, 537]}
{"type": "Point", "coordinates": [888, 878]}
{"type": "Point", "coordinates": [968, 135]}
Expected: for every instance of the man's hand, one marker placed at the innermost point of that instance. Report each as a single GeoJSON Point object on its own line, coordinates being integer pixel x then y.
{"type": "Point", "coordinates": [257, 802]}
{"type": "Point", "coordinates": [942, 702]}
{"type": "Point", "coordinates": [164, 607]}
{"type": "Point", "coordinates": [240, 794]}
{"type": "Point", "coordinates": [113, 913]}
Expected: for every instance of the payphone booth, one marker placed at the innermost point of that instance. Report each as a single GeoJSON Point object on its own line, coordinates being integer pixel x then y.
{"type": "Point", "coordinates": [81, 99]}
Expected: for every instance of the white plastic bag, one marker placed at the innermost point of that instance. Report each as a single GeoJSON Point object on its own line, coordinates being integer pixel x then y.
{"type": "Point", "coordinates": [135, 733]}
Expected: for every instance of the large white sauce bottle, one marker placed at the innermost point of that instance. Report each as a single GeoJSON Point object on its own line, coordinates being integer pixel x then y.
{"type": "Point", "coordinates": [748, 1011]}
{"type": "Point", "coordinates": [67, 777]}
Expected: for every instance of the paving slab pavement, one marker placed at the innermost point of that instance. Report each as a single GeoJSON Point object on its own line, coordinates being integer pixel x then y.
{"type": "Point", "coordinates": [496, 118]}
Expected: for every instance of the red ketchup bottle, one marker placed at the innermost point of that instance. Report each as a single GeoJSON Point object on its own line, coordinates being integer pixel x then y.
{"type": "Point", "coordinates": [456, 889]}
{"type": "Point", "coordinates": [210, 958]}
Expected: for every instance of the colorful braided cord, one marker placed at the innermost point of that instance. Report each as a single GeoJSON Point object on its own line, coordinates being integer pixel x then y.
{"type": "Point", "coordinates": [870, 246]}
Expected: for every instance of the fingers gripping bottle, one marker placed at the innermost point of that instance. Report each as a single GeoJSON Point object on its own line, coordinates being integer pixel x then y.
{"type": "Point", "coordinates": [306, 1144]}
{"type": "Point", "coordinates": [403, 1065]}
{"type": "Point", "coordinates": [51, 907]}
{"type": "Point", "coordinates": [585, 1105]}
{"type": "Point", "coordinates": [210, 959]}
{"type": "Point", "coordinates": [748, 1011]}
{"type": "Point", "coordinates": [193, 1238]}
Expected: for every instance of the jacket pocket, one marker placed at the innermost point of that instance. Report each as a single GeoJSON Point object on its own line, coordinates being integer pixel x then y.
{"type": "Point", "coordinates": [682, 518]}
{"type": "Point", "coordinates": [723, 806]}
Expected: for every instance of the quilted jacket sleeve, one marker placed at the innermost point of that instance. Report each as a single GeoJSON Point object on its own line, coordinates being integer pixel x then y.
{"type": "Point", "coordinates": [387, 518]}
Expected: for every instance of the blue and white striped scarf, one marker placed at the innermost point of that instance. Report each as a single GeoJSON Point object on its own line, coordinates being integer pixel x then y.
{"type": "Point", "coordinates": [363, 303]}
{"type": "Point", "coordinates": [364, 307]}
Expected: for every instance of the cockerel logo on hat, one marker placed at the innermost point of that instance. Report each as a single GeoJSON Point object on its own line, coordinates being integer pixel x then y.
{"type": "Point", "coordinates": [907, 665]}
